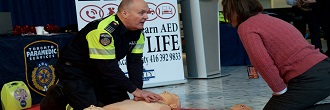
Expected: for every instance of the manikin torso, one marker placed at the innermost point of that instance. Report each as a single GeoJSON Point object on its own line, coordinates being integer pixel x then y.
{"type": "Point", "coordinates": [170, 102]}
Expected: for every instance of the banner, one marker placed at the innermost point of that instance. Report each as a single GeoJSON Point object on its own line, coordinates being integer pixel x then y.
{"type": "Point", "coordinates": [162, 59]}
{"type": "Point", "coordinates": [39, 65]}
{"type": "Point", "coordinates": [31, 59]}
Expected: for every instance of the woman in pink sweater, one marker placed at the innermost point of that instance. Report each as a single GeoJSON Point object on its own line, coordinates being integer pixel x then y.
{"type": "Point", "coordinates": [297, 73]}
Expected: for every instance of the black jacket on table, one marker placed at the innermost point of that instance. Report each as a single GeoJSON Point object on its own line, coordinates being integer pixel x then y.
{"type": "Point", "coordinates": [101, 44]}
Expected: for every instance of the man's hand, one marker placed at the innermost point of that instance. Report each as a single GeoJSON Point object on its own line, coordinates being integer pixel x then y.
{"type": "Point", "coordinates": [303, 6]}
{"type": "Point", "coordinates": [300, 3]}
{"type": "Point", "coordinates": [146, 96]}
{"type": "Point", "coordinates": [309, 1]}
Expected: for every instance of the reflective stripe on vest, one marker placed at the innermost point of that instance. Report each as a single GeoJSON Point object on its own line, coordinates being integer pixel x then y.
{"type": "Point", "coordinates": [99, 51]}
{"type": "Point", "coordinates": [68, 107]}
{"type": "Point", "coordinates": [139, 45]}
{"type": "Point", "coordinates": [96, 49]}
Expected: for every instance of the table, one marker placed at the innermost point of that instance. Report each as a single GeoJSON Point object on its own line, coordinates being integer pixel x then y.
{"type": "Point", "coordinates": [32, 59]}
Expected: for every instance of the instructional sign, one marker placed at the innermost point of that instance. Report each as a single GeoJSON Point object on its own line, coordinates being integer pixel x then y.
{"type": "Point", "coordinates": [162, 58]}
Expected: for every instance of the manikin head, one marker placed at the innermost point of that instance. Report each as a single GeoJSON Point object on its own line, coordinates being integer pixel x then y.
{"type": "Point", "coordinates": [240, 107]}
{"type": "Point", "coordinates": [92, 107]}
{"type": "Point", "coordinates": [171, 100]}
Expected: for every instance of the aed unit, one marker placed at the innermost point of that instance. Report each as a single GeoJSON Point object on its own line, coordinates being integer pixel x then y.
{"type": "Point", "coordinates": [15, 95]}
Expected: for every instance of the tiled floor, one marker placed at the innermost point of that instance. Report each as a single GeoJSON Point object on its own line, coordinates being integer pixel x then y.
{"type": "Point", "coordinates": [222, 93]}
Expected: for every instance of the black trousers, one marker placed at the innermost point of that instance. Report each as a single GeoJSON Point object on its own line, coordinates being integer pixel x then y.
{"type": "Point", "coordinates": [323, 16]}
{"type": "Point", "coordinates": [83, 87]}
{"type": "Point", "coordinates": [310, 18]}
{"type": "Point", "coordinates": [305, 90]}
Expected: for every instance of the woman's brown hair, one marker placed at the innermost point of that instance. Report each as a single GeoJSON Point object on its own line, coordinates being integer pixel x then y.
{"type": "Point", "coordinates": [244, 9]}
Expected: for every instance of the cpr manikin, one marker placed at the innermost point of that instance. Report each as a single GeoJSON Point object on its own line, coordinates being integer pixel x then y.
{"type": "Point", "coordinates": [170, 102]}
{"type": "Point", "coordinates": [240, 107]}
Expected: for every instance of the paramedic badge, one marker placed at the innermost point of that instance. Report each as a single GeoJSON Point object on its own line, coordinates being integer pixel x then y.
{"type": "Point", "coordinates": [105, 39]}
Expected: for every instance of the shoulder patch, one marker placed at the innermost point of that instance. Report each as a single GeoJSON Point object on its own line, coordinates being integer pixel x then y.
{"type": "Point", "coordinates": [111, 27]}
{"type": "Point", "coordinates": [105, 39]}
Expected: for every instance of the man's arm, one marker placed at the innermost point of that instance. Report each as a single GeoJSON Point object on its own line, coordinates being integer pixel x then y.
{"type": "Point", "coordinates": [135, 69]}
{"type": "Point", "coordinates": [102, 53]}
{"type": "Point", "coordinates": [111, 70]}
{"type": "Point", "coordinates": [135, 62]}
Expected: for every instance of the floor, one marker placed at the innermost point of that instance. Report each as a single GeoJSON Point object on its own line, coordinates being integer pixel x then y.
{"type": "Point", "coordinates": [224, 92]}
{"type": "Point", "coordinates": [221, 93]}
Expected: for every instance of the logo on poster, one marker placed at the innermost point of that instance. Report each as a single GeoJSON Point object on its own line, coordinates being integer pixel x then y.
{"type": "Point", "coordinates": [165, 10]}
{"type": "Point", "coordinates": [110, 8]}
{"type": "Point", "coordinates": [41, 52]}
{"type": "Point", "coordinates": [152, 11]}
{"type": "Point", "coordinates": [147, 74]}
{"type": "Point", "coordinates": [91, 12]}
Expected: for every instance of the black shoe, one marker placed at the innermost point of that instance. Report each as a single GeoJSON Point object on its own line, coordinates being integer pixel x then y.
{"type": "Point", "coordinates": [54, 99]}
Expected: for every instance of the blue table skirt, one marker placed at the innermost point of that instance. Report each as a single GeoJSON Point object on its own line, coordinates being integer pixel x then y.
{"type": "Point", "coordinates": [31, 59]}
{"type": "Point", "coordinates": [232, 52]}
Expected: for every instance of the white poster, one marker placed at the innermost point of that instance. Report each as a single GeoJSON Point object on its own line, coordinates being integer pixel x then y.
{"type": "Point", "coordinates": [163, 63]}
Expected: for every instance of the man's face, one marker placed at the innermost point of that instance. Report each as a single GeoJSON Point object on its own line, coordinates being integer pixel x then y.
{"type": "Point", "coordinates": [137, 15]}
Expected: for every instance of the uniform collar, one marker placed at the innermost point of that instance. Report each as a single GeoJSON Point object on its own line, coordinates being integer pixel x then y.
{"type": "Point", "coordinates": [123, 28]}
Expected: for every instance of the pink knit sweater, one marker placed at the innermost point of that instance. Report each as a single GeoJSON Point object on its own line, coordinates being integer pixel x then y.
{"type": "Point", "coordinates": [277, 49]}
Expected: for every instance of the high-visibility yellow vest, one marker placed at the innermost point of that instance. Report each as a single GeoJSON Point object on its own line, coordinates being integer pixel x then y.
{"type": "Point", "coordinates": [68, 107]}
{"type": "Point", "coordinates": [99, 51]}
{"type": "Point", "coordinates": [139, 45]}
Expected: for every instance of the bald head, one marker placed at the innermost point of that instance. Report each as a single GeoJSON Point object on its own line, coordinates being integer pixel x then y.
{"type": "Point", "coordinates": [133, 13]}
{"type": "Point", "coordinates": [127, 4]}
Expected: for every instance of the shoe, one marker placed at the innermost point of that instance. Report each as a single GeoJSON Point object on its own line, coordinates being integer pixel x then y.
{"type": "Point", "coordinates": [54, 99]}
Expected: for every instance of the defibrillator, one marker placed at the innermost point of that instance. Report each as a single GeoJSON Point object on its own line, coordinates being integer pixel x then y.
{"type": "Point", "coordinates": [15, 95]}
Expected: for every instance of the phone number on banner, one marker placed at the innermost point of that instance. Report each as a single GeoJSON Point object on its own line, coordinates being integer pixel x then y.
{"type": "Point", "coordinates": [164, 57]}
